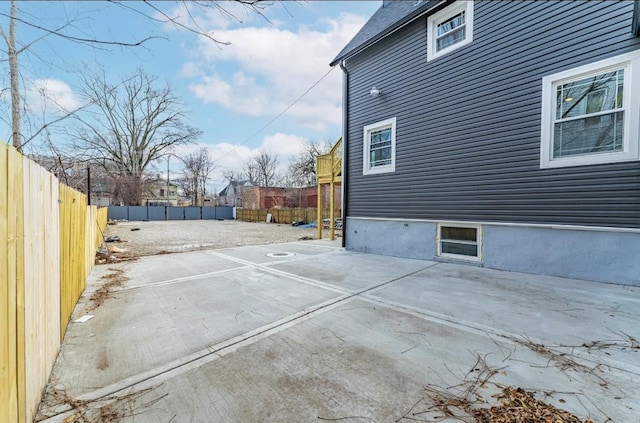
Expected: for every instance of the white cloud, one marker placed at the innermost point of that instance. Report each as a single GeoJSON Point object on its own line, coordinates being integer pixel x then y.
{"type": "Point", "coordinates": [273, 67]}
{"type": "Point", "coordinates": [241, 94]}
{"type": "Point", "coordinates": [283, 146]}
{"type": "Point", "coordinates": [229, 157]}
{"type": "Point", "coordinates": [192, 70]}
{"type": "Point", "coordinates": [51, 96]}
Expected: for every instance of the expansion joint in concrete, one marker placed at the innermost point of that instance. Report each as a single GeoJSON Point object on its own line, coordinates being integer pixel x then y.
{"type": "Point", "coordinates": [156, 376]}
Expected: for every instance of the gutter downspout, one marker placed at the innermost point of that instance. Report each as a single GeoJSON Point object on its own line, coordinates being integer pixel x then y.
{"type": "Point", "coordinates": [345, 129]}
{"type": "Point", "coordinates": [635, 21]}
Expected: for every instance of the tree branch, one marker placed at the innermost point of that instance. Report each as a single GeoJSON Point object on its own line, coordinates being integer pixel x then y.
{"type": "Point", "coordinates": [80, 39]}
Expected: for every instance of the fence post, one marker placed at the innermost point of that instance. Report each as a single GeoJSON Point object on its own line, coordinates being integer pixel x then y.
{"type": "Point", "coordinates": [319, 222]}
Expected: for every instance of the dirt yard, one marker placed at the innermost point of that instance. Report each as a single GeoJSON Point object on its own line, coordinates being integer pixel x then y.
{"type": "Point", "coordinates": [150, 238]}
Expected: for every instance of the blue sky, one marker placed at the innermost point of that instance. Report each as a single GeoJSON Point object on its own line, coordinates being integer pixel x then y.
{"type": "Point", "coordinates": [231, 91]}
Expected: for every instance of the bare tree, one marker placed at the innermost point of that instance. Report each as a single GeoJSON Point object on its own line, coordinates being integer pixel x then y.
{"type": "Point", "coordinates": [133, 125]}
{"type": "Point", "coordinates": [18, 138]}
{"type": "Point", "coordinates": [197, 169]}
{"type": "Point", "coordinates": [232, 175]}
{"type": "Point", "coordinates": [302, 168]}
{"type": "Point", "coordinates": [185, 19]}
{"type": "Point", "coordinates": [76, 172]}
{"type": "Point", "coordinates": [262, 170]}
{"type": "Point", "coordinates": [72, 171]}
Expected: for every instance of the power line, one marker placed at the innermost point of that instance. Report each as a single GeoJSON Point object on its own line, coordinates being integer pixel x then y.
{"type": "Point", "coordinates": [279, 114]}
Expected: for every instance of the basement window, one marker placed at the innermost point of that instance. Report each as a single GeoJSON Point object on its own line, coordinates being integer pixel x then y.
{"type": "Point", "coordinates": [459, 241]}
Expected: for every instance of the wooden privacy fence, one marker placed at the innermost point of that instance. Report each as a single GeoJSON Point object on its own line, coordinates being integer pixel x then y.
{"type": "Point", "coordinates": [48, 238]}
{"type": "Point", "coordinates": [307, 215]}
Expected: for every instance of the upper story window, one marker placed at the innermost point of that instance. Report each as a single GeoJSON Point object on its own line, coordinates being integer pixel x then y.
{"type": "Point", "coordinates": [449, 29]}
{"type": "Point", "coordinates": [587, 113]}
{"type": "Point", "coordinates": [379, 147]}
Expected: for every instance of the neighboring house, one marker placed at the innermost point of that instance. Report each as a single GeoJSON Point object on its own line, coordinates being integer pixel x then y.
{"type": "Point", "coordinates": [156, 193]}
{"type": "Point", "coordinates": [103, 200]}
{"type": "Point", "coordinates": [210, 201]}
{"type": "Point", "coordinates": [100, 194]}
{"type": "Point", "coordinates": [231, 195]}
{"type": "Point", "coordinates": [500, 134]}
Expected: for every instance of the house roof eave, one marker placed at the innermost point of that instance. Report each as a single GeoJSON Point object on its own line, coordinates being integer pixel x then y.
{"type": "Point", "coordinates": [361, 41]}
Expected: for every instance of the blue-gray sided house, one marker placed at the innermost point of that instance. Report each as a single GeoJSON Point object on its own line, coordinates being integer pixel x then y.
{"type": "Point", "coordinates": [503, 134]}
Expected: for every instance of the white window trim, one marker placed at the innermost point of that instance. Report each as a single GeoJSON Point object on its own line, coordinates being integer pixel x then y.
{"type": "Point", "coordinates": [366, 168]}
{"type": "Point", "coordinates": [443, 15]}
{"type": "Point", "coordinates": [631, 104]}
{"type": "Point", "coordinates": [478, 229]}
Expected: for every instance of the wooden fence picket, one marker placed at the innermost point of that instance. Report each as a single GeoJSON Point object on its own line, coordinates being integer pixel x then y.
{"type": "Point", "coordinates": [48, 238]}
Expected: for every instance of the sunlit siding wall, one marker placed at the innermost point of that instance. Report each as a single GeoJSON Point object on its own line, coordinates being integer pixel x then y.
{"type": "Point", "coordinates": [468, 123]}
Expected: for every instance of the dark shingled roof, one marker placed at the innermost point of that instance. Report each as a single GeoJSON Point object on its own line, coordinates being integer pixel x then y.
{"type": "Point", "coordinates": [389, 17]}
{"type": "Point", "coordinates": [235, 185]}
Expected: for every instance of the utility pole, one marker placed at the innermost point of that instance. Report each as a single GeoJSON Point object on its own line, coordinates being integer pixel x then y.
{"type": "Point", "coordinates": [88, 185]}
{"type": "Point", "coordinates": [14, 77]}
{"type": "Point", "coordinates": [168, 183]}
{"type": "Point", "coordinates": [168, 157]}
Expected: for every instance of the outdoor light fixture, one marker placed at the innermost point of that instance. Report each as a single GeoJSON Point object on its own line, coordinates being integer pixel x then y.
{"type": "Point", "coordinates": [374, 92]}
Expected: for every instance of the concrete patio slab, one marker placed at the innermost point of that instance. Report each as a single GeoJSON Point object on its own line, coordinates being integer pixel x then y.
{"type": "Point", "coordinates": [353, 271]}
{"type": "Point", "coordinates": [358, 361]}
{"type": "Point", "coordinates": [147, 326]}
{"type": "Point", "coordinates": [263, 254]}
{"type": "Point", "coordinates": [543, 309]}
{"type": "Point", "coordinates": [327, 335]}
{"type": "Point", "coordinates": [159, 269]}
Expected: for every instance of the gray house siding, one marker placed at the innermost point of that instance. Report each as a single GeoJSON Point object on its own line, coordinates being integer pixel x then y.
{"type": "Point", "coordinates": [468, 123]}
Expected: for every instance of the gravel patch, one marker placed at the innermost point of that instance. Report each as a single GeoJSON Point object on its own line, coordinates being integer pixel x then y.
{"type": "Point", "coordinates": [163, 237]}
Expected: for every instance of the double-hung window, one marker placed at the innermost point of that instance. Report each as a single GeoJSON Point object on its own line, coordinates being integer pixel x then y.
{"type": "Point", "coordinates": [449, 29]}
{"type": "Point", "coordinates": [379, 147]}
{"type": "Point", "coordinates": [588, 113]}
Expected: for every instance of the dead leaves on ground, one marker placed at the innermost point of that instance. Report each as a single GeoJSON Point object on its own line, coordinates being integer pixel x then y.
{"type": "Point", "coordinates": [109, 409]}
{"type": "Point", "coordinates": [516, 405]}
{"type": "Point", "coordinates": [464, 402]}
{"type": "Point", "coordinates": [113, 280]}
